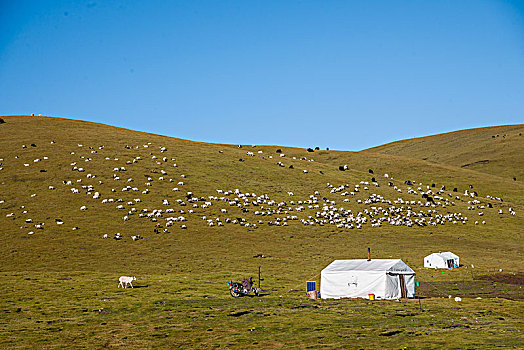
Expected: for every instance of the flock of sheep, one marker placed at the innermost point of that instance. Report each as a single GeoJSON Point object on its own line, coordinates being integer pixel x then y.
{"type": "Point", "coordinates": [412, 203]}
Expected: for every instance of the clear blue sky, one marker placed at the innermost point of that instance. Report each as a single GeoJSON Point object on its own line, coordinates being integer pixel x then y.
{"type": "Point", "coordinates": [341, 74]}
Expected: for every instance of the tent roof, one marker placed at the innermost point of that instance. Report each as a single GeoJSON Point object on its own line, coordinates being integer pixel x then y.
{"type": "Point", "coordinates": [384, 265]}
{"type": "Point", "coordinates": [449, 255]}
{"type": "Point", "coordinates": [445, 255]}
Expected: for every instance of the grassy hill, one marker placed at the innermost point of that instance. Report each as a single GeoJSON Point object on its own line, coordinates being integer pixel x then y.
{"type": "Point", "coordinates": [493, 150]}
{"type": "Point", "coordinates": [60, 279]}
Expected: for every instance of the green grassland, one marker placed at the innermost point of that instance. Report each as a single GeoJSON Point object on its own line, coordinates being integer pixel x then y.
{"type": "Point", "coordinates": [59, 285]}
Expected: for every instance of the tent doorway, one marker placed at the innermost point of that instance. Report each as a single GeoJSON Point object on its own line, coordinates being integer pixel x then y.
{"type": "Point", "coordinates": [402, 286]}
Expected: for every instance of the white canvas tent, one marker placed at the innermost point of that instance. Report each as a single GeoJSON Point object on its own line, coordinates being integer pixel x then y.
{"type": "Point", "coordinates": [441, 260]}
{"type": "Point", "coordinates": [357, 278]}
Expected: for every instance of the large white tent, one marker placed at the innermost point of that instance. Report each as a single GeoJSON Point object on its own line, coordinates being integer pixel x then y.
{"type": "Point", "coordinates": [441, 260]}
{"type": "Point", "coordinates": [357, 278]}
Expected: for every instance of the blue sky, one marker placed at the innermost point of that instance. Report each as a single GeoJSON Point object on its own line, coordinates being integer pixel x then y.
{"type": "Point", "coordinates": [346, 75]}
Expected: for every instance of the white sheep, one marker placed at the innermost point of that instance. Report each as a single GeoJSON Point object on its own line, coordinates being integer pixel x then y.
{"type": "Point", "coordinates": [125, 280]}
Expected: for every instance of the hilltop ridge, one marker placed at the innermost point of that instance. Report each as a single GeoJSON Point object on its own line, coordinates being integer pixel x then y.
{"type": "Point", "coordinates": [496, 150]}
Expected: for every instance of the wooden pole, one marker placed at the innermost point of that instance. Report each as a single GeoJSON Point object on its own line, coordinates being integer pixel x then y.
{"type": "Point", "coordinates": [259, 276]}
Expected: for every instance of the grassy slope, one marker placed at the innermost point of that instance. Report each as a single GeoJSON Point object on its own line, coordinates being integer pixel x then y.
{"type": "Point", "coordinates": [502, 146]}
{"type": "Point", "coordinates": [186, 270]}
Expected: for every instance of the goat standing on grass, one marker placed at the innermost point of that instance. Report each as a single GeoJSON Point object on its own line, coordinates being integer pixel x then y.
{"type": "Point", "coordinates": [125, 280]}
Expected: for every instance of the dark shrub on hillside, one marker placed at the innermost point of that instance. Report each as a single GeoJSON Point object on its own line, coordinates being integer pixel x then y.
{"type": "Point", "coordinates": [310, 150]}
{"type": "Point", "coordinates": [279, 150]}
{"type": "Point", "coordinates": [2, 121]}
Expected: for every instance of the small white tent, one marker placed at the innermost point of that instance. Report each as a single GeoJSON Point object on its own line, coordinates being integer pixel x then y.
{"type": "Point", "coordinates": [357, 278]}
{"type": "Point", "coordinates": [441, 260]}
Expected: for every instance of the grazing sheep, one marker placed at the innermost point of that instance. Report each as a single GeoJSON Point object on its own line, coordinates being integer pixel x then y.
{"type": "Point", "coordinates": [125, 280]}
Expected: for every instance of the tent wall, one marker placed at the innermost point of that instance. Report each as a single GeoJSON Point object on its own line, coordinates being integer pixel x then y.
{"type": "Point", "coordinates": [434, 261]}
{"type": "Point", "coordinates": [352, 284]}
{"type": "Point", "coordinates": [410, 285]}
{"type": "Point", "coordinates": [392, 287]}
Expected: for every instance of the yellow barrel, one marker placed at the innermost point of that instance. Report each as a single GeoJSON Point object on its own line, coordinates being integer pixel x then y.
{"type": "Point", "coordinates": [371, 296]}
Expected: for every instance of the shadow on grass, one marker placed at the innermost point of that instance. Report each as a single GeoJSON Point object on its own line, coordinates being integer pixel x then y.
{"type": "Point", "coordinates": [254, 296]}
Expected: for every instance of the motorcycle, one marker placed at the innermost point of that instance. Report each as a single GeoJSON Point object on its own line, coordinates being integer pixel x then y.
{"type": "Point", "coordinates": [242, 289]}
